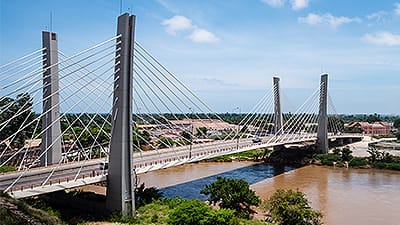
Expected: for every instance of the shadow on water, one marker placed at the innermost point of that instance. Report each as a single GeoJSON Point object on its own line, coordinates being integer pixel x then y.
{"type": "Point", "coordinates": [252, 174]}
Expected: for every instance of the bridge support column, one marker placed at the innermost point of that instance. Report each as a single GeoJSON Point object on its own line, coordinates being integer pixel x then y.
{"type": "Point", "coordinates": [322, 133]}
{"type": "Point", "coordinates": [120, 183]}
{"type": "Point", "coordinates": [277, 106]}
{"type": "Point", "coordinates": [51, 136]}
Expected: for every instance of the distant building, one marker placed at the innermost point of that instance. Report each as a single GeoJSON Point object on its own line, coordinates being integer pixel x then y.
{"type": "Point", "coordinates": [376, 128]}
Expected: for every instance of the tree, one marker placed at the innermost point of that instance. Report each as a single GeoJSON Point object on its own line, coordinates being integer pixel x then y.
{"type": "Point", "coordinates": [20, 110]}
{"type": "Point", "coordinates": [396, 123]}
{"type": "Point", "coordinates": [145, 195]}
{"type": "Point", "coordinates": [232, 194]}
{"type": "Point", "coordinates": [374, 118]}
{"type": "Point", "coordinates": [288, 207]}
{"type": "Point", "coordinates": [398, 135]}
{"type": "Point", "coordinates": [186, 135]}
{"type": "Point", "coordinates": [202, 131]}
{"type": "Point", "coordinates": [195, 212]}
{"type": "Point", "coordinates": [165, 142]}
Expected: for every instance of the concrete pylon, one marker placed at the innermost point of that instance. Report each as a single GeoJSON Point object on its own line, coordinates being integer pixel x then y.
{"type": "Point", "coordinates": [322, 133]}
{"type": "Point", "coordinates": [277, 106]}
{"type": "Point", "coordinates": [120, 193]}
{"type": "Point", "coordinates": [51, 136]}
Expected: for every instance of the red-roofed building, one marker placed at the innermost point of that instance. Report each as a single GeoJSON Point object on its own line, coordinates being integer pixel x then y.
{"type": "Point", "coordinates": [376, 128]}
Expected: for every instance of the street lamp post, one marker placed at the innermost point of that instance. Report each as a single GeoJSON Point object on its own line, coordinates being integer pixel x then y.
{"type": "Point", "coordinates": [237, 129]}
{"type": "Point", "coordinates": [191, 135]}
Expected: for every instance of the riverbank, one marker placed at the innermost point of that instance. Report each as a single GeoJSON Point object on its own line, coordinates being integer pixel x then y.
{"type": "Point", "coordinates": [345, 196]}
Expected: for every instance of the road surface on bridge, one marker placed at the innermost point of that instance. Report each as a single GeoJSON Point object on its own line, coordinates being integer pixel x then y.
{"type": "Point", "coordinates": [89, 170]}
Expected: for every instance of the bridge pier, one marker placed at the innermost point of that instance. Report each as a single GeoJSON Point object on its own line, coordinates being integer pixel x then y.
{"type": "Point", "coordinates": [322, 133]}
{"type": "Point", "coordinates": [51, 128]}
{"type": "Point", "coordinates": [277, 106]}
{"type": "Point", "coordinates": [120, 184]}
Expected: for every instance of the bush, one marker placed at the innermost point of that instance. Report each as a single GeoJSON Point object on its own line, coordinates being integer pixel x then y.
{"type": "Point", "coordinates": [4, 169]}
{"type": "Point", "coordinates": [145, 195]}
{"type": "Point", "coordinates": [195, 212]}
{"type": "Point", "coordinates": [232, 194]}
{"type": "Point", "coordinates": [328, 159]}
{"type": "Point", "coordinates": [288, 207]}
{"type": "Point", "coordinates": [358, 162]}
{"type": "Point", "coordinates": [393, 166]}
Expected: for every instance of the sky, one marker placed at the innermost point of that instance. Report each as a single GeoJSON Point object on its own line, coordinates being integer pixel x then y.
{"type": "Point", "coordinates": [228, 51]}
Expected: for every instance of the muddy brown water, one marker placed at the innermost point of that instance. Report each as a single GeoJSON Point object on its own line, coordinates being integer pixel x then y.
{"type": "Point", "coordinates": [345, 196]}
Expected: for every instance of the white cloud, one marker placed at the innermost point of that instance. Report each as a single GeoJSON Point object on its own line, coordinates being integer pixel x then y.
{"type": "Point", "coordinates": [311, 19]}
{"type": "Point", "coordinates": [299, 4]}
{"type": "Point", "coordinates": [203, 36]}
{"type": "Point", "coordinates": [382, 38]}
{"type": "Point", "coordinates": [275, 3]}
{"type": "Point", "coordinates": [179, 23]}
{"type": "Point", "coordinates": [397, 8]}
{"type": "Point", "coordinates": [176, 24]}
{"type": "Point", "coordinates": [327, 18]}
{"type": "Point", "coordinates": [378, 16]}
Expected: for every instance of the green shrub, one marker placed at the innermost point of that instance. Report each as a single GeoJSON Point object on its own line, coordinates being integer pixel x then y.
{"type": "Point", "coordinates": [393, 166]}
{"type": "Point", "coordinates": [195, 212]}
{"type": "Point", "coordinates": [328, 159]}
{"type": "Point", "coordinates": [4, 169]}
{"type": "Point", "coordinates": [232, 194]}
{"type": "Point", "coordinates": [358, 162]}
{"type": "Point", "coordinates": [288, 207]}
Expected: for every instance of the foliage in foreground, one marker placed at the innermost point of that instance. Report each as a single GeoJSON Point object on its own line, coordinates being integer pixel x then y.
{"type": "Point", "coordinates": [232, 194]}
{"type": "Point", "coordinates": [288, 207]}
{"type": "Point", "coordinates": [198, 213]}
{"type": "Point", "coordinates": [145, 195]}
{"type": "Point", "coordinates": [178, 211]}
{"type": "Point", "coordinates": [22, 213]}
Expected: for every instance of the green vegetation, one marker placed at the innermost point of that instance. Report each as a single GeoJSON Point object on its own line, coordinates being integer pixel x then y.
{"type": "Point", "coordinates": [254, 155]}
{"type": "Point", "coordinates": [178, 211]}
{"type": "Point", "coordinates": [398, 136]}
{"type": "Point", "coordinates": [232, 194]}
{"type": "Point", "coordinates": [20, 110]}
{"type": "Point", "coordinates": [338, 157]}
{"type": "Point", "coordinates": [288, 207]}
{"type": "Point", "coordinates": [19, 212]}
{"type": "Point", "coordinates": [145, 195]}
{"type": "Point", "coordinates": [377, 159]}
{"type": "Point", "coordinates": [4, 169]}
{"type": "Point", "coordinates": [198, 213]}
{"type": "Point", "coordinates": [396, 123]}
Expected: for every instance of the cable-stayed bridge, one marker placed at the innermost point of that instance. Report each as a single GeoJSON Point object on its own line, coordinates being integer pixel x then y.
{"type": "Point", "coordinates": [113, 110]}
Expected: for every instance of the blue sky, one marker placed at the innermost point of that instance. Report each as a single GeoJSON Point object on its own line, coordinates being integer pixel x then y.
{"type": "Point", "coordinates": [228, 51]}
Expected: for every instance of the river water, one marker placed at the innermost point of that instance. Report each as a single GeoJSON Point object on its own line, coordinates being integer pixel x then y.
{"type": "Point", "coordinates": [345, 196]}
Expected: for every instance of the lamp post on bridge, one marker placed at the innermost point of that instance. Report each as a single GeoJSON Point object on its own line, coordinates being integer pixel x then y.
{"type": "Point", "coordinates": [237, 128]}
{"type": "Point", "coordinates": [192, 133]}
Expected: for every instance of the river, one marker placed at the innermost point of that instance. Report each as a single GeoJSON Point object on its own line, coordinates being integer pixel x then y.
{"type": "Point", "coordinates": [345, 196]}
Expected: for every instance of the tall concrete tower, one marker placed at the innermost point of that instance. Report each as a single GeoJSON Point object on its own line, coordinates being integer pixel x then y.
{"type": "Point", "coordinates": [51, 136]}
{"type": "Point", "coordinates": [120, 193]}
{"type": "Point", "coordinates": [277, 106]}
{"type": "Point", "coordinates": [322, 133]}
